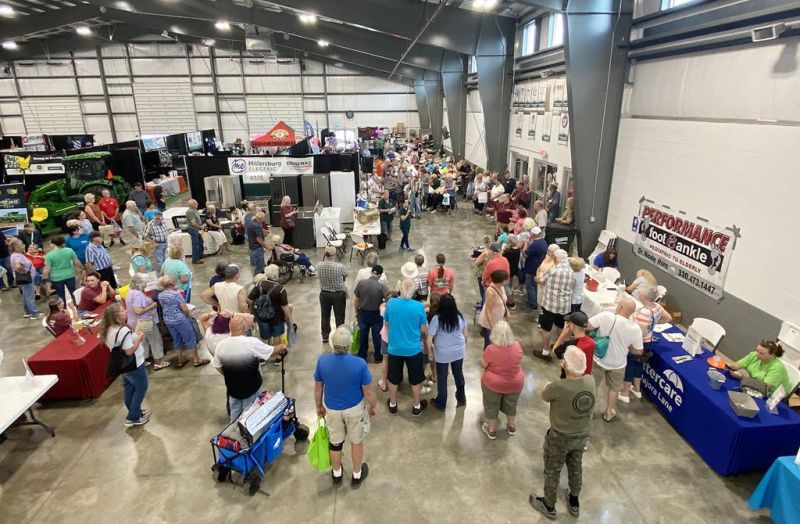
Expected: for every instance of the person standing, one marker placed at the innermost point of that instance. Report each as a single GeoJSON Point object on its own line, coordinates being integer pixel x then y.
{"type": "Point", "coordinates": [98, 259]}
{"type": "Point", "coordinates": [405, 226]}
{"type": "Point", "coordinates": [77, 240]}
{"type": "Point", "coordinates": [494, 309]}
{"type": "Point", "coordinates": [5, 261]}
{"type": "Point", "coordinates": [558, 282]}
{"type": "Point", "coordinates": [496, 262]}
{"type": "Point", "coordinates": [175, 267]}
{"type": "Point", "coordinates": [271, 329]}
{"type": "Point", "coordinates": [369, 295]}
{"type": "Point", "coordinates": [540, 214]}
{"type": "Point", "coordinates": [332, 291]}
{"type": "Point", "coordinates": [441, 279]}
{"type": "Point", "coordinates": [24, 276]}
{"type": "Point", "coordinates": [386, 210]}
{"type": "Point", "coordinates": [59, 266]}
{"type": "Point", "coordinates": [553, 204]}
{"type": "Point", "coordinates": [571, 401]}
{"type": "Point", "coordinates": [342, 384]}
{"type": "Point", "coordinates": [132, 224]}
{"type": "Point", "coordinates": [139, 196]}
{"type": "Point", "coordinates": [177, 317]}
{"type": "Point", "coordinates": [574, 334]}
{"type": "Point", "coordinates": [288, 220]}
{"type": "Point", "coordinates": [115, 332]}
{"type": "Point", "coordinates": [448, 341]}
{"type": "Point", "coordinates": [156, 232]}
{"type": "Point", "coordinates": [407, 327]}
{"type": "Point", "coordinates": [93, 212]}
{"type": "Point", "coordinates": [534, 256]}
{"type": "Point", "coordinates": [194, 230]}
{"type": "Point", "coordinates": [227, 296]}
{"type": "Point", "coordinates": [502, 380]}
{"type": "Point", "coordinates": [237, 359]}
{"type": "Point", "coordinates": [256, 242]}
{"type": "Point", "coordinates": [143, 317]}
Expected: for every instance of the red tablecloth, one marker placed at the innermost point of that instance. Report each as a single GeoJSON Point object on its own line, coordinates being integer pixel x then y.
{"type": "Point", "coordinates": [81, 369]}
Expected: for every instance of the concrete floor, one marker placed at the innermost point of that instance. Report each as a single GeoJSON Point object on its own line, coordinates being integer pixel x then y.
{"type": "Point", "coordinates": [438, 468]}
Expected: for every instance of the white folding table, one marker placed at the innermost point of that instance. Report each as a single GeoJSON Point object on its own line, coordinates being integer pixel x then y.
{"type": "Point", "coordinates": [18, 395]}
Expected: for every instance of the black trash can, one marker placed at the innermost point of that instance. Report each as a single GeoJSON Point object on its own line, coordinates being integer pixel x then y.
{"type": "Point", "coordinates": [563, 236]}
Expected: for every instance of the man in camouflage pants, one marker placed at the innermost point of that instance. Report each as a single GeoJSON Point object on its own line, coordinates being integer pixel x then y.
{"type": "Point", "coordinates": [571, 403]}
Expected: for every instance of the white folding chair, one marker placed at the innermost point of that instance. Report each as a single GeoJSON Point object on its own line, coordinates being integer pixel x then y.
{"type": "Point", "coordinates": [359, 245]}
{"type": "Point", "coordinates": [331, 239]}
{"type": "Point", "coordinates": [661, 292]}
{"type": "Point", "coordinates": [794, 377]}
{"type": "Point", "coordinates": [77, 297]}
{"type": "Point", "coordinates": [333, 230]}
{"type": "Point", "coordinates": [709, 330]}
{"type": "Point", "coordinates": [47, 326]}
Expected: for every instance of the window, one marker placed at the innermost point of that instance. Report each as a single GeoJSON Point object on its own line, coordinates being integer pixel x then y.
{"type": "Point", "coordinates": [529, 38]}
{"type": "Point", "coordinates": [557, 30]}
{"type": "Point", "coordinates": [669, 4]}
{"type": "Point", "coordinates": [473, 65]}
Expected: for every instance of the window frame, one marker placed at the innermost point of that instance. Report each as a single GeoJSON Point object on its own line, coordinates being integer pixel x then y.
{"type": "Point", "coordinates": [532, 25]}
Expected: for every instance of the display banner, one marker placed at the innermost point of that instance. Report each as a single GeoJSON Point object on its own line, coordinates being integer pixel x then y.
{"type": "Point", "coordinates": [36, 165]}
{"type": "Point", "coordinates": [690, 249]}
{"type": "Point", "coordinates": [547, 126]}
{"type": "Point", "coordinates": [259, 169]}
{"type": "Point", "coordinates": [563, 129]}
{"type": "Point", "coordinates": [532, 127]}
{"type": "Point", "coordinates": [13, 213]}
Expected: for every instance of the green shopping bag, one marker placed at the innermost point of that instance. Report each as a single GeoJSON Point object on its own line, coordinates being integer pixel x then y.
{"type": "Point", "coordinates": [355, 342]}
{"type": "Point", "coordinates": [319, 450]}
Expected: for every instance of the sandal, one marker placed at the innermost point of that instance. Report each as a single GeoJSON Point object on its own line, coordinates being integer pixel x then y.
{"type": "Point", "coordinates": [608, 417]}
{"type": "Point", "coordinates": [383, 386]}
{"type": "Point", "coordinates": [201, 363]}
{"type": "Point", "coordinates": [162, 365]}
{"type": "Point", "coordinates": [181, 363]}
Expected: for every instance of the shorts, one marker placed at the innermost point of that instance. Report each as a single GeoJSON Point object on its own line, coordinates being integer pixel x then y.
{"type": "Point", "coordinates": [183, 336]}
{"type": "Point", "coordinates": [352, 423]}
{"type": "Point", "coordinates": [414, 365]}
{"type": "Point", "coordinates": [494, 403]}
{"type": "Point", "coordinates": [635, 366]}
{"type": "Point", "coordinates": [613, 377]}
{"type": "Point", "coordinates": [267, 330]}
{"type": "Point", "coordinates": [548, 318]}
{"type": "Point", "coordinates": [384, 348]}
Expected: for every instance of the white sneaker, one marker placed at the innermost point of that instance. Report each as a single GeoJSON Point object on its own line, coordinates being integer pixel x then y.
{"type": "Point", "coordinates": [623, 398]}
{"type": "Point", "coordinates": [637, 394]}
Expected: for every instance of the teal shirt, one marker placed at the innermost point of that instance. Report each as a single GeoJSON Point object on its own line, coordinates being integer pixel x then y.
{"type": "Point", "coordinates": [60, 261]}
{"type": "Point", "coordinates": [176, 268]}
{"type": "Point", "coordinates": [405, 222]}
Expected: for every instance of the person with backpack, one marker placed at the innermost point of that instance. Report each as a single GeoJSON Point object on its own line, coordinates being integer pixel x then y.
{"type": "Point", "coordinates": [270, 306]}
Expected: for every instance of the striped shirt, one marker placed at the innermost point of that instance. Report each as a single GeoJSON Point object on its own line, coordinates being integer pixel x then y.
{"type": "Point", "coordinates": [647, 318]}
{"type": "Point", "coordinates": [558, 282]}
{"type": "Point", "coordinates": [158, 232]}
{"type": "Point", "coordinates": [98, 256]}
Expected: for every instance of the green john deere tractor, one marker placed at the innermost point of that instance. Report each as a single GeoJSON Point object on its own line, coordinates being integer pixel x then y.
{"type": "Point", "coordinates": [50, 204]}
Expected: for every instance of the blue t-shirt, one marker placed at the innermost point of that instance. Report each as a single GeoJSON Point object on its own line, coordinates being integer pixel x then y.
{"type": "Point", "coordinates": [598, 261]}
{"type": "Point", "coordinates": [78, 245]}
{"type": "Point", "coordinates": [170, 302]}
{"type": "Point", "coordinates": [448, 346]}
{"type": "Point", "coordinates": [342, 377]}
{"type": "Point", "coordinates": [535, 254]}
{"type": "Point", "coordinates": [405, 316]}
{"type": "Point", "coordinates": [150, 214]}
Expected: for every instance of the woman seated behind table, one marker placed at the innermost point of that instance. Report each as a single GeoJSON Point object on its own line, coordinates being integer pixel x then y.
{"type": "Point", "coordinates": [763, 364]}
{"type": "Point", "coordinates": [94, 294]}
{"type": "Point", "coordinates": [59, 318]}
{"type": "Point", "coordinates": [607, 258]}
{"type": "Point", "coordinates": [644, 279]}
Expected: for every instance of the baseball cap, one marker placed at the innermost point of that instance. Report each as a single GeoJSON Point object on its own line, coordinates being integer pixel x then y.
{"type": "Point", "coordinates": [578, 318]}
{"type": "Point", "coordinates": [377, 269]}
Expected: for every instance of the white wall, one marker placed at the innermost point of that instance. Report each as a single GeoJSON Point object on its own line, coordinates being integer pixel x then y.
{"type": "Point", "coordinates": [57, 99]}
{"type": "Point", "coordinates": [696, 135]}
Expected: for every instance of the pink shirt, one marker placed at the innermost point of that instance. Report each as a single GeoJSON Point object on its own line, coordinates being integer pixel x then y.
{"type": "Point", "coordinates": [503, 373]}
{"type": "Point", "coordinates": [441, 285]}
{"type": "Point", "coordinates": [495, 312]}
{"type": "Point", "coordinates": [647, 318]}
{"type": "Point", "coordinates": [495, 263]}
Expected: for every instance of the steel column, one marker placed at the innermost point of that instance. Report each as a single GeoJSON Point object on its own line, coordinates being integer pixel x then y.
{"type": "Point", "coordinates": [495, 58]}
{"type": "Point", "coordinates": [102, 69]}
{"type": "Point", "coordinates": [454, 82]}
{"type": "Point", "coordinates": [422, 105]}
{"type": "Point", "coordinates": [597, 33]}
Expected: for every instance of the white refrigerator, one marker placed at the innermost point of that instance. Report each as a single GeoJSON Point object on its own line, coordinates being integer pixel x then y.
{"type": "Point", "coordinates": [343, 194]}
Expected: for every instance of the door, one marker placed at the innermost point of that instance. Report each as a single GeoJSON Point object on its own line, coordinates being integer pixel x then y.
{"type": "Point", "coordinates": [544, 174]}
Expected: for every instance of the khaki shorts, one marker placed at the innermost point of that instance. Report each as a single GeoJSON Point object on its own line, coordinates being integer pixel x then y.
{"type": "Point", "coordinates": [352, 423]}
{"type": "Point", "coordinates": [613, 377]}
{"type": "Point", "coordinates": [494, 403]}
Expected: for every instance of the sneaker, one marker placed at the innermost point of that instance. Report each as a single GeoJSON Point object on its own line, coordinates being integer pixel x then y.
{"type": "Point", "coordinates": [36, 316]}
{"type": "Point", "coordinates": [141, 422]}
{"type": "Point", "coordinates": [625, 399]}
{"type": "Point", "coordinates": [410, 249]}
{"type": "Point", "coordinates": [324, 340]}
{"type": "Point", "coordinates": [637, 394]}
{"type": "Point", "coordinates": [574, 505]}
{"type": "Point", "coordinates": [519, 292]}
{"type": "Point", "coordinates": [338, 480]}
{"type": "Point", "coordinates": [512, 307]}
{"type": "Point", "coordinates": [608, 417]}
{"type": "Point", "coordinates": [491, 434]}
{"type": "Point", "coordinates": [539, 505]}
{"type": "Point", "coordinates": [198, 262]}
{"type": "Point", "coordinates": [392, 409]}
{"type": "Point", "coordinates": [415, 412]}
{"type": "Point", "coordinates": [512, 430]}
{"type": "Point", "coordinates": [355, 483]}
{"type": "Point", "coordinates": [146, 412]}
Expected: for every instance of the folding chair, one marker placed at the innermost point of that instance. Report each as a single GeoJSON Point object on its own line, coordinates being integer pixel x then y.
{"type": "Point", "coordinates": [361, 246]}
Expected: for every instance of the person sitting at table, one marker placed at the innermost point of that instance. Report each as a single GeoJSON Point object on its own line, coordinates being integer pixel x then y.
{"type": "Point", "coordinates": [763, 364]}
{"type": "Point", "coordinates": [567, 215]}
{"type": "Point", "coordinates": [607, 258]}
{"type": "Point", "coordinates": [214, 229]}
{"type": "Point", "coordinates": [94, 293]}
{"type": "Point", "coordinates": [647, 317]}
{"type": "Point", "coordinates": [58, 318]}
{"type": "Point", "coordinates": [643, 279]}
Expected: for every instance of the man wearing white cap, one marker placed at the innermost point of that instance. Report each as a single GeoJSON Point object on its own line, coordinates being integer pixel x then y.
{"type": "Point", "coordinates": [557, 284]}
{"type": "Point", "coordinates": [534, 255]}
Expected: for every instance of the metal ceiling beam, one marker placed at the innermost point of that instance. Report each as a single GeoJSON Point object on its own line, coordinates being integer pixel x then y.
{"type": "Point", "coordinates": [21, 25]}
{"type": "Point", "coordinates": [442, 5]}
{"type": "Point", "coordinates": [550, 5]}
{"type": "Point", "coordinates": [62, 45]}
{"type": "Point", "coordinates": [295, 53]}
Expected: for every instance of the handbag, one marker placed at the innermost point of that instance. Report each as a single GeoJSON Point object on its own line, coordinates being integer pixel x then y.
{"type": "Point", "coordinates": [119, 362]}
{"type": "Point", "coordinates": [319, 449]}
{"type": "Point", "coordinates": [22, 278]}
{"type": "Point", "coordinates": [601, 343]}
{"type": "Point", "coordinates": [145, 325]}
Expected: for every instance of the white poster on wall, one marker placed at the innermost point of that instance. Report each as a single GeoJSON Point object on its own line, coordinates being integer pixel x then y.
{"type": "Point", "coordinates": [560, 94]}
{"type": "Point", "coordinates": [259, 169]}
{"type": "Point", "coordinates": [532, 127]}
{"type": "Point", "coordinates": [534, 95]}
{"type": "Point", "coordinates": [563, 129]}
{"type": "Point", "coordinates": [690, 249]}
{"type": "Point", "coordinates": [547, 126]}
{"type": "Point", "coordinates": [518, 129]}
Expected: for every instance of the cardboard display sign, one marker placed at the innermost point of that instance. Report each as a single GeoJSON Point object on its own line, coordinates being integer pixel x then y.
{"type": "Point", "coordinates": [259, 169]}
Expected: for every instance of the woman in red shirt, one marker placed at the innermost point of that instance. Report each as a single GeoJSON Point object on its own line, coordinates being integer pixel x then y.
{"type": "Point", "coordinates": [58, 318]}
{"type": "Point", "coordinates": [288, 220]}
{"type": "Point", "coordinates": [502, 379]}
{"type": "Point", "coordinates": [441, 280]}
{"type": "Point", "coordinates": [36, 255]}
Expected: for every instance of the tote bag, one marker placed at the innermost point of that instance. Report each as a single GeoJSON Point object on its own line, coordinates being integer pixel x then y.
{"type": "Point", "coordinates": [319, 449]}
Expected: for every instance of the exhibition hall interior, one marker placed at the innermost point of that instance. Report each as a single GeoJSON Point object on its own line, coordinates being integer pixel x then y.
{"type": "Point", "coordinates": [341, 261]}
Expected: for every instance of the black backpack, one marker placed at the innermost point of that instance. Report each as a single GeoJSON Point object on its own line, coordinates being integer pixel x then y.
{"type": "Point", "coordinates": [263, 309]}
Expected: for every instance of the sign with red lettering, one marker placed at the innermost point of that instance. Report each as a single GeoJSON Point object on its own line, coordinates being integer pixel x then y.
{"type": "Point", "coordinates": [690, 249]}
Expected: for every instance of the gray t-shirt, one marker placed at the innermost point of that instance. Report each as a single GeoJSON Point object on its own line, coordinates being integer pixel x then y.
{"type": "Point", "coordinates": [370, 293]}
{"type": "Point", "coordinates": [193, 219]}
{"type": "Point", "coordinates": [571, 404]}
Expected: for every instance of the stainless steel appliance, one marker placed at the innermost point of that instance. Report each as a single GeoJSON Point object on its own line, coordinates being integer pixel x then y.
{"type": "Point", "coordinates": [316, 187]}
{"type": "Point", "coordinates": [284, 185]}
{"type": "Point", "coordinates": [224, 190]}
{"type": "Point", "coordinates": [304, 228]}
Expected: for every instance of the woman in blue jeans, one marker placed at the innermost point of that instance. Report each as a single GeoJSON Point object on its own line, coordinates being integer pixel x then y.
{"type": "Point", "coordinates": [114, 331]}
{"type": "Point", "coordinates": [22, 266]}
{"type": "Point", "coordinates": [447, 333]}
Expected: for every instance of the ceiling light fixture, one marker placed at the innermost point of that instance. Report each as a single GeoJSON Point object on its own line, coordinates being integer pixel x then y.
{"type": "Point", "coordinates": [308, 18]}
{"type": "Point", "coordinates": [6, 10]}
{"type": "Point", "coordinates": [484, 5]}
{"type": "Point", "coordinates": [209, 42]}
{"type": "Point", "coordinates": [83, 30]}
{"type": "Point", "coordinates": [9, 44]}
{"type": "Point", "coordinates": [125, 6]}
{"type": "Point", "coordinates": [323, 43]}
{"type": "Point", "coordinates": [222, 25]}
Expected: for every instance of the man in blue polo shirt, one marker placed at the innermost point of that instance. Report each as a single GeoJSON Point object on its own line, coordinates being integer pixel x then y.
{"type": "Point", "coordinates": [345, 383]}
{"type": "Point", "coordinates": [534, 255]}
{"type": "Point", "coordinates": [408, 329]}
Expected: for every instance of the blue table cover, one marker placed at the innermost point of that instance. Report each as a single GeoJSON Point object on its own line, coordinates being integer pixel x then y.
{"type": "Point", "coordinates": [779, 491]}
{"type": "Point", "coordinates": [703, 416]}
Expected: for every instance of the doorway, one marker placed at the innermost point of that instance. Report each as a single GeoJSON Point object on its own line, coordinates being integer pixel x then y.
{"type": "Point", "coordinates": [544, 174]}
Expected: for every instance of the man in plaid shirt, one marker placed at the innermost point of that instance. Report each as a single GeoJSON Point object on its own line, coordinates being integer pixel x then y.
{"type": "Point", "coordinates": [157, 232]}
{"type": "Point", "coordinates": [558, 282]}
{"type": "Point", "coordinates": [332, 291]}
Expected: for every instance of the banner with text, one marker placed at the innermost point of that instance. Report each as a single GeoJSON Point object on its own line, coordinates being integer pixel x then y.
{"type": "Point", "coordinates": [690, 249]}
{"type": "Point", "coordinates": [13, 213]}
{"type": "Point", "coordinates": [259, 169]}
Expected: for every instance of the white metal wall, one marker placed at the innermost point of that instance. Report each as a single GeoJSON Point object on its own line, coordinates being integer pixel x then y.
{"type": "Point", "coordinates": [170, 87]}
